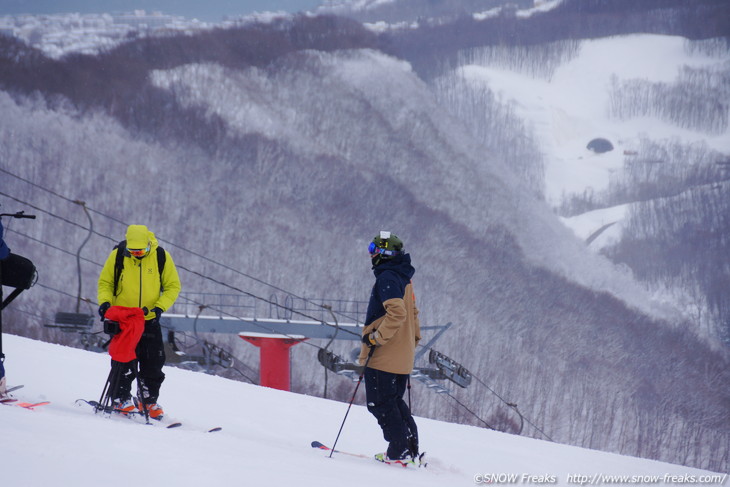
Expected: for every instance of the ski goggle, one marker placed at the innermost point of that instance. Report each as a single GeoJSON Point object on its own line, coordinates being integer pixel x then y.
{"type": "Point", "coordinates": [375, 250]}
{"type": "Point", "coordinates": [139, 252]}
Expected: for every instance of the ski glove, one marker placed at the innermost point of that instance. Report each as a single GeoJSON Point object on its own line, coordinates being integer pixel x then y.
{"type": "Point", "coordinates": [156, 311]}
{"type": "Point", "coordinates": [370, 339]}
{"type": "Point", "coordinates": [103, 309]}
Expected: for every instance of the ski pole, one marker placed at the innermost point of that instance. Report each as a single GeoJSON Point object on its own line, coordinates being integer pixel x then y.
{"type": "Point", "coordinates": [110, 388]}
{"type": "Point", "coordinates": [362, 374]}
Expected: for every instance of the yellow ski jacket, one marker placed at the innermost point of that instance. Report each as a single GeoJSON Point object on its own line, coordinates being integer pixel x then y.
{"type": "Point", "coordinates": [140, 284]}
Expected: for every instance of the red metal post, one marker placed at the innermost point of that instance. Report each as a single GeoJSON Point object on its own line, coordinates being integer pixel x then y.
{"type": "Point", "coordinates": [274, 368]}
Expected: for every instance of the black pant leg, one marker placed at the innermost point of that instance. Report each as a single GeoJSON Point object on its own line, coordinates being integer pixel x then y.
{"type": "Point", "coordinates": [151, 355]}
{"type": "Point", "coordinates": [123, 374]}
{"type": "Point", "coordinates": [410, 424]}
{"type": "Point", "coordinates": [384, 392]}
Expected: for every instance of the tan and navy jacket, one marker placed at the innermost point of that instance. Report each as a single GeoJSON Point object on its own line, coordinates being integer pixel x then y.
{"type": "Point", "coordinates": [393, 313]}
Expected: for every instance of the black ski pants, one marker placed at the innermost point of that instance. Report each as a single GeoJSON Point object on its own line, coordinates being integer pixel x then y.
{"type": "Point", "coordinates": [151, 357]}
{"type": "Point", "coordinates": [384, 395]}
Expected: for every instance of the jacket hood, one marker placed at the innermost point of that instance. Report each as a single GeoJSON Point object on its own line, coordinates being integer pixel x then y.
{"type": "Point", "coordinates": [138, 237]}
{"type": "Point", "coordinates": [400, 264]}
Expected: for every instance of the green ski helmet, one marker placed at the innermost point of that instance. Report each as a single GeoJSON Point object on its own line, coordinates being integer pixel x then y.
{"type": "Point", "coordinates": [384, 246]}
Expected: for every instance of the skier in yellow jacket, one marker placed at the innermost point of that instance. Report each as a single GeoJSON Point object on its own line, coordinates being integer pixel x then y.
{"type": "Point", "coordinates": [146, 278]}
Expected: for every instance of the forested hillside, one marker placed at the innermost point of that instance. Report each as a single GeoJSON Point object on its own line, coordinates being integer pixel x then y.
{"type": "Point", "coordinates": [265, 157]}
{"type": "Point", "coordinates": [570, 19]}
{"type": "Point", "coordinates": [680, 250]}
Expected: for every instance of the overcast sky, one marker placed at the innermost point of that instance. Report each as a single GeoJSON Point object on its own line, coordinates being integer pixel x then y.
{"type": "Point", "coordinates": [206, 10]}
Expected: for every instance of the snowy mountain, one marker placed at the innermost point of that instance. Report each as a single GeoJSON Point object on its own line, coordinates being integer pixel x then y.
{"type": "Point", "coordinates": [573, 105]}
{"type": "Point", "coordinates": [399, 14]}
{"type": "Point", "coordinates": [265, 438]}
{"type": "Point", "coordinates": [59, 35]}
{"type": "Point", "coordinates": [577, 101]}
{"type": "Point", "coordinates": [265, 156]}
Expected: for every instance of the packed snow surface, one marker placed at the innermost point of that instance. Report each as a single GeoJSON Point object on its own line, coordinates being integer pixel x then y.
{"type": "Point", "coordinates": [265, 439]}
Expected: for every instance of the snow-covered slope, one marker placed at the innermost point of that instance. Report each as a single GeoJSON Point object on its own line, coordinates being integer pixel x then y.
{"type": "Point", "coordinates": [265, 439]}
{"type": "Point", "coordinates": [615, 88]}
{"type": "Point", "coordinates": [570, 108]}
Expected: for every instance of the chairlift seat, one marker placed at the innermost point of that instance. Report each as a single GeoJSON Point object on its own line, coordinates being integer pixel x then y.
{"type": "Point", "coordinates": [75, 322]}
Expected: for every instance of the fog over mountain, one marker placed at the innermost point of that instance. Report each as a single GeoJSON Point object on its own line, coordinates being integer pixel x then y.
{"type": "Point", "coordinates": [266, 156]}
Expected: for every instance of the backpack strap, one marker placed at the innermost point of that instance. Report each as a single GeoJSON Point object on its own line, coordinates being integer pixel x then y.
{"type": "Point", "coordinates": [161, 258]}
{"type": "Point", "coordinates": [119, 263]}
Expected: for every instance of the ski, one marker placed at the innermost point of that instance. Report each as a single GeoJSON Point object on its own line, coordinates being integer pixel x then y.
{"type": "Point", "coordinates": [7, 399]}
{"type": "Point", "coordinates": [133, 416]}
{"type": "Point", "coordinates": [11, 401]}
{"type": "Point", "coordinates": [137, 415]}
{"type": "Point", "coordinates": [415, 463]}
{"type": "Point", "coordinates": [32, 406]}
{"type": "Point", "coordinates": [321, 446]}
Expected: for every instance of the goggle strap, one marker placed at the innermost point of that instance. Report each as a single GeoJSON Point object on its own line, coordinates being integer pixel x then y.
{"type": "Point", "coordinates": [379, 251]}
{"type": "Point", "coordinates": [374, 249]}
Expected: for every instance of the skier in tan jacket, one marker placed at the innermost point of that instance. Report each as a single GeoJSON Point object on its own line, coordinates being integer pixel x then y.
{"type": "Point", "coordinates": [390, 336]}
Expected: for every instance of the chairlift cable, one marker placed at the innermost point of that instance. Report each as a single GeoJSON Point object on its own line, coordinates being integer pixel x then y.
{"type": "Point", "coordinates": [67, 199]}
{"type": "Point", "coordinates": [513, 406]}
{"type": "Point", "coordinates": [217, 281]}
